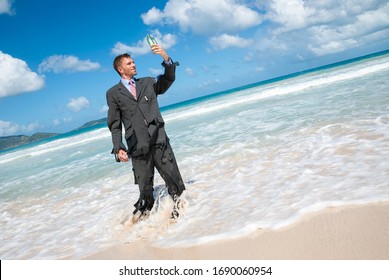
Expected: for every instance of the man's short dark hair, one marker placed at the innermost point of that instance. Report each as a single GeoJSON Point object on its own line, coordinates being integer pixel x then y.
{"type": "Point", "coordinates": [118, 61]}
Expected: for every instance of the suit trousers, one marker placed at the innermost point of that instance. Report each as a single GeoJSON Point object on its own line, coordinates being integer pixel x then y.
{"type": "Point", "coordinates": [162, 158]}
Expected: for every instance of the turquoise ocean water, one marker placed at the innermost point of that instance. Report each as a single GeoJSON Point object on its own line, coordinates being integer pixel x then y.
{"type": "Point", "coordinates": [259, 156]}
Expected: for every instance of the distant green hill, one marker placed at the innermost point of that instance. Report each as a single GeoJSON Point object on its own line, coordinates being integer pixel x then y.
{"type": "Point", "coordinates": [92, 123]}
{"type": "Point", "coordinates": [8, 142]}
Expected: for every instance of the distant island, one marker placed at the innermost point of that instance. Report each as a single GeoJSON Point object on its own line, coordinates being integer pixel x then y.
{"type": "Point", "coordinates": [8, 142]}
{"type": "Point", "coordinates": [91, 124]}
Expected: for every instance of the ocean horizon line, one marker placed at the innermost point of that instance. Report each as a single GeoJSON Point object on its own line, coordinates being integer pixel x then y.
{"type": "Point", "coordinates": [274, 79]}
{"type": "Point", "coordinates": [100, 123]}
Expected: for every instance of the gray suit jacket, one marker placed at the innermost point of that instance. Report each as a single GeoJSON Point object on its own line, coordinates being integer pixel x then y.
{"type": "Point", "coordinates": [142, 120]}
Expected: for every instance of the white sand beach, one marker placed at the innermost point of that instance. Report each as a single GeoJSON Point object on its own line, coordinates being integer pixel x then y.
{"type": "Point", "coordinates": [352, 232]}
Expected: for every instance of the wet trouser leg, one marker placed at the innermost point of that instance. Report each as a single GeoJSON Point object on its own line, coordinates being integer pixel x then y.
{"type": "Point", "coordinates": [166, 164]}
{"type": "Point", "coordinates": [161, 157]}
{"type": "Point", "coordinates": [143, 167]}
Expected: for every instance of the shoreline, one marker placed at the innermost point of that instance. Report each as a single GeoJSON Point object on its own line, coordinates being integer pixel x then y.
{"type": "Point", "coordinates": [356, 232]}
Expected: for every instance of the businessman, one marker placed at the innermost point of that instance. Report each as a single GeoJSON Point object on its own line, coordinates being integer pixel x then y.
{"type": "Point", "coordinates": [133, 106]}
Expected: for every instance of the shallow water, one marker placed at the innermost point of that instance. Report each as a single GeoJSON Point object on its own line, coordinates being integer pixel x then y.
{"type": "Point", "coordinates": [259, 157]}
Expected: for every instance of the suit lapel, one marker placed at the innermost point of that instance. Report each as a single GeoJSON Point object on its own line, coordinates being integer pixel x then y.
{"type": "Point", "coordinates": [123, 90]}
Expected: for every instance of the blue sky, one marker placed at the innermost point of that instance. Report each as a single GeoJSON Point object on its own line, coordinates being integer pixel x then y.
{"type": "Point", "coordinates": [56, 56]}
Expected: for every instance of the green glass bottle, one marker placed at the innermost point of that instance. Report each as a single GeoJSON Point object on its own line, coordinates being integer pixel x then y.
{"type": "Point", "coordinates": [150, 40]}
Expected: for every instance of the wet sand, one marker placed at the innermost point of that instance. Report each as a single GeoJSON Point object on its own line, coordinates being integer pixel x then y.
{"type": "Point", "coordinates": [336, 233]}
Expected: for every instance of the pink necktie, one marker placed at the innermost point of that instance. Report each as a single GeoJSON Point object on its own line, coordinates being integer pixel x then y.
{"type": "Point", "coordinates": [133, 88]}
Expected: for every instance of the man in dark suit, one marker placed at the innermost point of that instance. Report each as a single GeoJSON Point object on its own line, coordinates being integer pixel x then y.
{"type": "Point", "coordinates": [133, 104]}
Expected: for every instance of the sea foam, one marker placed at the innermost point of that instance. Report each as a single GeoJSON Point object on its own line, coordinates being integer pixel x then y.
{"type": "Point", "coordinates": [257, 158]}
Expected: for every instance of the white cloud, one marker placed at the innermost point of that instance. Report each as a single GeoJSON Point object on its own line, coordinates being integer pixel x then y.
{"type": "Point", "coordinates": [121, 48]}
{"type": "Point", "coordinates": [209, 84]}
{"type": "Point", "coordinates": [155, 71]}
{"type": "Point", "coordinates": [359, 31]}
{"type": "Point", "coordinates": [8, 128]}
{"type": "Point", "coordinates": [205, 16]}
{"type": "Point", "coordinates": [154, 15]}
{"type": "Point", "coordinates": [189, 71]}
{"type": "Point", "coordinates": [6, 7]}
{"type": "Point", "coordinates": [16, 77]}
{"type": "Point", "coordinates": [324, 27]}
{"type": "Point", "coordinates": [328, 41]}
{"type": "Point", "coordinates": [67, 63]}
{"type": "Point", "coordinates": [56, 122]}
{"type": "Point", "coordinates": [289, 14]}
{"type": "Point", "coordinates": [227, 41]}
{"type": "Point", "coordinates": [104, 109]}
{"type": "Point", "coordinates": [11, 128]}
{"type": "Point", "coordinates": [278, 44]}
{"type": "Point", "coordinates": [250, 56]}
{"type": "Point", "coordinates": [142, 47]}
{"type": "Point", "coordinates": [77, 104]}
{"type": "Point", "coordinates": [31, 127]}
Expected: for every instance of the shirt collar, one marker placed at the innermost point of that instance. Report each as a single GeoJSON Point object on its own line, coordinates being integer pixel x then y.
{"type": "Point", "coordinates": [126, 82]}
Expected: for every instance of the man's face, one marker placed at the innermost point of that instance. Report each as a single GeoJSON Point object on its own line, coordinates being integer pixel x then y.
{"type": "Point", "coordinates": [128, 68]}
